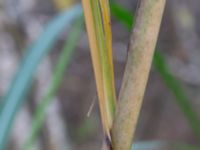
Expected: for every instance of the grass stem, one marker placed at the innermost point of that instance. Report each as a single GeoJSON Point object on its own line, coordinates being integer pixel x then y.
{"type": "Point", "coordinates": [140, 55]}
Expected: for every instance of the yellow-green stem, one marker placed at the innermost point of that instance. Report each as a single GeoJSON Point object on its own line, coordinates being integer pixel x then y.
{"type": "Point", "coordinates": [140, 54]}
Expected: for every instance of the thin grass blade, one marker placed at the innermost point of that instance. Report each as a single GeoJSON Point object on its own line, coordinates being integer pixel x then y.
{"type": "Point", "coordinates": [97, 16]}
{"type": "Point", "coordinates": [105, 12]}
{"type": "Point", "coordinates": [105, 62]}
{"type": "Point", "coordinates": [95, 57]}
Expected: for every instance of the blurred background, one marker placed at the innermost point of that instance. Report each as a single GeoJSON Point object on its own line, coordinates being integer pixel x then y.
{"type": "Point", "coordinates": [67, 125]}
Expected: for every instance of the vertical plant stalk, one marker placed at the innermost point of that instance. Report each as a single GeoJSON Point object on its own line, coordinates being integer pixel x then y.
{"type": "Point", "coordinates": [140, 54]}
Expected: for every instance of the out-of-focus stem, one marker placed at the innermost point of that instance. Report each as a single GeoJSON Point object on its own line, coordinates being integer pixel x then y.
{"type": "Point", "coordinates": [140, 54]}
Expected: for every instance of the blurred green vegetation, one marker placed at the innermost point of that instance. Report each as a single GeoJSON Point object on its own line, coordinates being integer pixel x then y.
{"type": "Point", "coordinates": [15, 96]}
{"type": "Point", "coordinates": [57, 77]}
